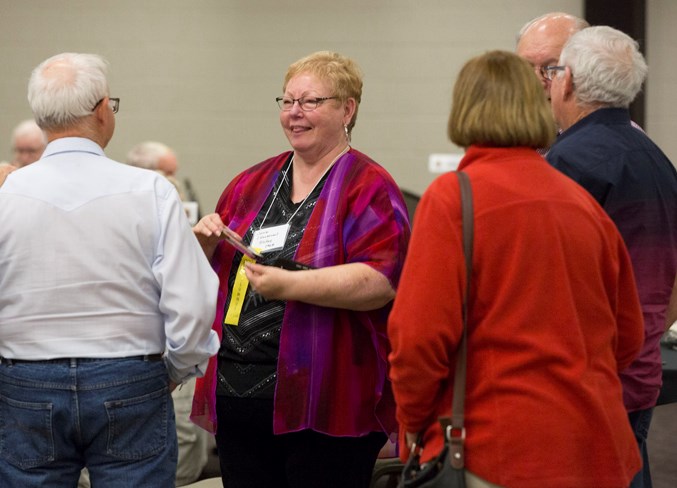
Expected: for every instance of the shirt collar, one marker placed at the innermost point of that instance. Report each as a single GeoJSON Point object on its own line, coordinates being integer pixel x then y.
{"type": "Point", "coordinates": [72, 144]}
{"type": "Point", "coordinates": [602, 115]}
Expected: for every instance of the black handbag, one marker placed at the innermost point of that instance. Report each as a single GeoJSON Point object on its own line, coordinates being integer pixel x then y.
{"type": "Point", "coordinates": [447, 469]}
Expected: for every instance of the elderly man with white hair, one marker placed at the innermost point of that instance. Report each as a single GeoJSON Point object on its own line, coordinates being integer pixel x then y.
{"type": "Point", "coordinates": [540, 41]}
{"type": "Point", "coordinates": [106, 299]}
{"type": "Point", "coordinates": [28, 143]}
{"type": "Point", "coordinates": [154, 155]}
{"type": "Point", "coordinates": [599, 73]}
{"type": "Point", "coordinates": [162, 158]}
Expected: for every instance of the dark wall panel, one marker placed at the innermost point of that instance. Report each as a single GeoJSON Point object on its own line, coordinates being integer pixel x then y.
{"type": "Point", "coordinates": [628, 16]}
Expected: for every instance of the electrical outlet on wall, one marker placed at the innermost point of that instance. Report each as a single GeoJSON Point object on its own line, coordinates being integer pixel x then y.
{"type": "Point", "coordinates": [443, 162]}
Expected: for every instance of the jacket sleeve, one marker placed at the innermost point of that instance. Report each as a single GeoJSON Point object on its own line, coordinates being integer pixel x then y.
{"type": "Point", "coordinates": [425, 324]}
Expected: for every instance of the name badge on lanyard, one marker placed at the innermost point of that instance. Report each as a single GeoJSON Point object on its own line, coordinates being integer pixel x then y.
{"type": "Point", "coordinates": [270, 238]}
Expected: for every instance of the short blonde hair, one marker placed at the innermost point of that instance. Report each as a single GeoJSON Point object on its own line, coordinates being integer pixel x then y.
{"type": "Point", "coordinates": [342, 73]}
{"type": "Point", "coordinates": [498, 102]}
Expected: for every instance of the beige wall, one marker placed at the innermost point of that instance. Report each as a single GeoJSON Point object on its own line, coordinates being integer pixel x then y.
{"type": "Point", "coordinates": [661, 85]}
{"type": "Point", "coordinates": [202, 75]}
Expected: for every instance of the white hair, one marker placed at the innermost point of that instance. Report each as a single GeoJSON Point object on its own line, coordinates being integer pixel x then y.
{"type": "Point", "coordinates": [146, 154]}
{"type": "Point", "coordinates": [28, 128]}
{"type": "Point", "coordinates": [606, 65]}
{"type": "Point", "coordinates": [65, 88]}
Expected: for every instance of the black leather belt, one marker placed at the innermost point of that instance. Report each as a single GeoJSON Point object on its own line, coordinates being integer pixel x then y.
{"type": "Point", "coordinates": [10, 362]}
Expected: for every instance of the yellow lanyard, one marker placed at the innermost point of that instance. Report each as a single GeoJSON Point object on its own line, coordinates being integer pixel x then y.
{"type": "Point", "coordinates": [238, 294]}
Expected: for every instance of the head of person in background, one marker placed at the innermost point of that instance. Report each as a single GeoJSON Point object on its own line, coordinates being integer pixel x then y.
{"type": "Point", "coordinates": [158, 157]}
{"type": "Point", "coordinates": [499, 114]}
{"type": "Point", "coordinates": [599, 67]}
{"type": "Point", "coordinates": [540, 41]}
{"type": "Point", "coordinates": [28, 143]}
{"type": "Point", "coordinates": [297, 334]}
{"type": "Point", "coordinates": [154, 155]}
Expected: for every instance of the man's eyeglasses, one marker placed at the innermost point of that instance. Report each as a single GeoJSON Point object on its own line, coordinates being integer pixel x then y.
{"type": "Point", "coordinates": [307, 104]}
{"type": "Point", "coordinates": [113, 102]}
{"type": "Point", "coordinates": [548, 72]}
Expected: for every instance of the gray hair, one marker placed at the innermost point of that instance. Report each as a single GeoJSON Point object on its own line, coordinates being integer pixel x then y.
{"type": "Point", "coordinates": [146, 154]}
{"type": "Point", "coordinates": [65, 88]}
{"type": "Point", "coordinates": [577, 23]}
{"type": "Point", "coordinates": [28, 128]}
{"type": "Point", "coordinates": [606, 65]}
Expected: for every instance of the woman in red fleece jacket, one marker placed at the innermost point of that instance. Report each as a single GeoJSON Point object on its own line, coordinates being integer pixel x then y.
{"type": "Point", "coordinates": [553, 312]}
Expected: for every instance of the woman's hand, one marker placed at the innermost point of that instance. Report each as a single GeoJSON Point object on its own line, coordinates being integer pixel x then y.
{"type": "Point", "coordinates": [268, 281]}
{"type": "Point", "coordinates": [211, 230]}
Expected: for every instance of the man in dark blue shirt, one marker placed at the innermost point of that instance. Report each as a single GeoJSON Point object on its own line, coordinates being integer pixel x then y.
{"type": "Point", "coordinates": [600, 72]}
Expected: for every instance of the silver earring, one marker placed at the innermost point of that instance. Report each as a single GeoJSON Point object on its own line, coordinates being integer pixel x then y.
{"type": "Point", "coordinates": [345, 128]}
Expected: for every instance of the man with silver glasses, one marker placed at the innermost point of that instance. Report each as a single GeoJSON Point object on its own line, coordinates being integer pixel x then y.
{"type": "Point", "coordinates": [106, 299]}
{"type": "Point", "coordinates": [540, 41]}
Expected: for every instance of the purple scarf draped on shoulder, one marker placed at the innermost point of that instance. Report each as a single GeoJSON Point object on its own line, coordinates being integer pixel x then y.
{"type": "Point", "coordinates": [332, 365]}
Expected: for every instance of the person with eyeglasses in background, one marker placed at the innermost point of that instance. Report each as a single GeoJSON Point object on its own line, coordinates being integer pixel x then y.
{"type": "Point", "coordinates": [598, 75]}
{"type": "Point", "coordinates": [28, 143]}
{"type": "Point", "coordinates": [299, 395]}
{"type": "Point", "coordinates": [540, 42]}
{"type": "Point", "coordinates": [106, 299]}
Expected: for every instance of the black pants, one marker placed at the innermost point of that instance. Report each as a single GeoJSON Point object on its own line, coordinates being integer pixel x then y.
{"type": "Point", "coordinates": [252, 457]}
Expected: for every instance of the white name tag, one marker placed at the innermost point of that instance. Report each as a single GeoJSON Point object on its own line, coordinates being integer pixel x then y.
{"type": "Point", "coordinates": [270, 238]}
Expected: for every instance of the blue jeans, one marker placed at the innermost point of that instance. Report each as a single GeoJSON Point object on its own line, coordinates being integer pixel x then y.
{"type": "Point", "coordinates": [114, 416]}
{"type": "Point", "coordinates": [640, 422]}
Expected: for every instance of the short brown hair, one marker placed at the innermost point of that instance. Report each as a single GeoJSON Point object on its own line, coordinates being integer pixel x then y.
{"type": "Point", "coordinates": [341, 72]}
{"type": "Point", "coordinates": [498, 102]}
